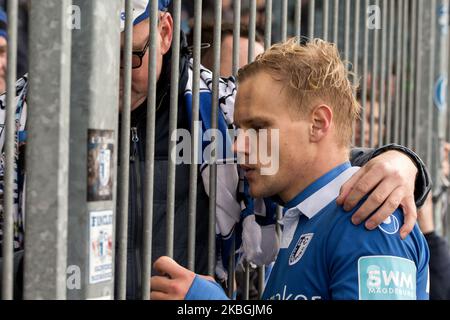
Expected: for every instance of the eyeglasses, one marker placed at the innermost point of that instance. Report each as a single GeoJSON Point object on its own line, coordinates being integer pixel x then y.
{"type": "Point", "coordinates": [136, 57]}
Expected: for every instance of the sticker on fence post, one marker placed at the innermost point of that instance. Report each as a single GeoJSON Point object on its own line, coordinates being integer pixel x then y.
{"type": "Point", "coordinates": [100, 246]}
{"type": "Point", "coordinates": [440, 93]}
{"type": "Point", "coordinates": [100, 165]}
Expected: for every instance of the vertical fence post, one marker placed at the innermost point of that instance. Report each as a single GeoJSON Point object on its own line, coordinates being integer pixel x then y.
{"type": "Point", "coordinates": [356, 53]}
{"type": "Point", "coordinates": [150, 153]}
{"type": "Point", "coordinates": [336, 22]}
{"type": "Point", "coordinates": [298, 18]}
{"type": "Point", "coordinates": [365, 69]}
{"type": "Point", "coordinates": [373, 84]}
{"type": "Point", "coordinates": [268, 25]}
{"type": "Point", "coordinates": [93, 148]}
{"type": "Point", "coordinates": [174, 79]}
{"type": "Point", "coordinates": [412, 74]}
{"type": "Point", "coordinates": [418, 77]}
{"type": "Point", "coordinates": [440, 102]}
{"type": "Point", "coordinates": [311, 20]}
{"type": "Point", "coordinates": [398, 72]}
{"type": "Point", "coordinates": [390, 79]}
{"type": "Point", "coordinates": [193, 175]}
{"type": "Point", "coordinates": [124, 156]}
{"type": "Point", "coordinates": [404, 79]}
{"type": "Point", "coordinates": [214, 124]}
{"type": "Point", "coordinates": [284, 19]}
{"type": "Point", "coordinates": [382, 73]}
{"type": "Point", "coordinates": [325, 18]}
{"type": "Point", "coordinates": [47, 151]}
{"type": "Point", "coordinates": [427, 65]}
{"type": "Point", "coordinates": [8, 183]}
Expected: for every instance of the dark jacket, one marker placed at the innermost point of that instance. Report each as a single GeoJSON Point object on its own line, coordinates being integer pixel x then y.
{"type": "Point", "coordinates": [439, 267]}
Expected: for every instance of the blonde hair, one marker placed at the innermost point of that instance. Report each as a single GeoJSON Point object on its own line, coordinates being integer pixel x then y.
{"type": "Point", "coordinates": [312, 73]}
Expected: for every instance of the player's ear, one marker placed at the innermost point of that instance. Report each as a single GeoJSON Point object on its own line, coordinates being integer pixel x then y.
{"type": "Point", "coordinates": [166, 32]}
{"type": "Point", "coordinates": [321, 118]}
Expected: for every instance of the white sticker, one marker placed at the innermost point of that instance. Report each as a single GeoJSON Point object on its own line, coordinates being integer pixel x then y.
{"type": "Point", "coordinates": [100, 246]}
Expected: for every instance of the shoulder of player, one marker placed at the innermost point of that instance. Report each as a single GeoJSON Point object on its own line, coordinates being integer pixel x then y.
{"type": "Point", "coordinates": [340, 228]}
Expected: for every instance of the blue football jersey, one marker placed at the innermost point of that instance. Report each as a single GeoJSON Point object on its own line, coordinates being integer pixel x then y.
{"type": "Point", "coordinates": [324, 256]}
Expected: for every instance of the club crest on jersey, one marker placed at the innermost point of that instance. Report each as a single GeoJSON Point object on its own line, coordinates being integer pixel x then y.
{"type": "Point", "coordinates": [300, 248]}
{"type": "Point", "coordinates": [390, 225]}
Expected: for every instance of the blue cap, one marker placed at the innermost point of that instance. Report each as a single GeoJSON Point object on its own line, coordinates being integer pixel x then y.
{"type": "Point", "coordinates": [3, 24]}
{"type": "Point", "coordinates": [141, 11]}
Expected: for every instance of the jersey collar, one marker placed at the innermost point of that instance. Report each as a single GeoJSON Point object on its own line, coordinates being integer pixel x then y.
{"type": "Point", "coordinates": [321, 192]}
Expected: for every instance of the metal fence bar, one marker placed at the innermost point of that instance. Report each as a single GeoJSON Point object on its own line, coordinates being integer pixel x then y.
{"type": "Point", "coordinates": [404, 86]}
{"type": "Point", "coordinates": [284, 20]}
{"type": "Point", "coordinates": [356, 53]}
{"type": "Point", "coordinates": [235, 63]}
{"type": "Point", "coordinates": [412, 74]}
{"type": "Point", "coordinates": [214, 119]}
{"type": "Point", "coordinates": [398, 72]}
{"type": "Point", "coordinates": [365, 74]}
{"type": "Point", "coordinates": [93, 136]}
{"type": "Point", "coordinates": [236, 39]}
{"type": "Point", "coordinates": [373, 85]}
{"type": "Point", "coordinates": [390, 65]}
{"type": "Point", "coordinates": [347, 32]}
{"type": "Point", "coordinates": [268, 25]}
{"type": "Point", "coordinates": [432, 73]}
{"type": "Point", "coordinates": [236, 35]}
{"type": "Point", "coordinates": [298, 18]}
{"type": "Point", "coordinates": [311, 17]}
{"type": "Point", "coordinates": [356, 40]}
{"type": "Point", "coordinates": [418, 76]}
{"type": "Point", "coordinates": [8, 184]}
{"type": "Point", "coordinates": [440, 105]}
{"type": "Point", "coordinates": [48, 133]}
{"type": "Point", "coordinates": [232, 269]}
{"type": "Point", "coordinates": [261, 280]}
{"type": "Point", "coordinates": [193, 174]}
{"type": "Point", "coordinates": [326, 19]}
{"type": "Point", "coordinates": [246, 287]}
{"type": "Point", "coordinates": [124, 169]}
{"type": "Point", "coordinates": [252, 31]}
{"type": "Point", "coordinates": [251, 48]}
{"type": "Point", "coordinates": [336, 22]}
{"type": "Point", "coordinates": [382, 72]}
{"type": "Point", "coordinates": [150, 154]}
{"type": "Point", "coordinates": [174, 80]}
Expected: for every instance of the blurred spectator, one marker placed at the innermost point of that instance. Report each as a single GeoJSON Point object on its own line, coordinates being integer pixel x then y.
{"type": "Point", "coordinates": [439, 248]}
{"type": "Point", "coordinates": [226, 54]}
{"type": "Point", "coordinates": [3, 49]}
{"type": "Point", "coordinates": [439, 254]}
{"type": "Point", "coordinates": [187, 13]}
{"type": "Point", "coordinates": [260, 14]}
{"type": "Point", "coordinates": [22, 45]}
{"type": "Point", "coordinates": [376, 115]}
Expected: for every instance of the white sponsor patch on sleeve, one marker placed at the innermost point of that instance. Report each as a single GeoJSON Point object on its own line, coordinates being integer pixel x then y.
{"type": "Point", "coordinates": [386, 278]}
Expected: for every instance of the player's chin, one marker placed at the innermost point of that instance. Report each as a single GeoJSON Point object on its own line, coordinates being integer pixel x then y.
{"type": "Point", "coordinates": [259, 190]}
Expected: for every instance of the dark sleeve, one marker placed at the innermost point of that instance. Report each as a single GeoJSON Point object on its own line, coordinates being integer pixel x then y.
{"type": "Point", "coordinates": [439, 267]}
{"type": "Point", "coordinates": [360, 156]}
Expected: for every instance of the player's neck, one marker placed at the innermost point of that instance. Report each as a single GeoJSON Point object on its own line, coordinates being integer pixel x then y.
{"type": "Point", "coordinates": [319, 165]}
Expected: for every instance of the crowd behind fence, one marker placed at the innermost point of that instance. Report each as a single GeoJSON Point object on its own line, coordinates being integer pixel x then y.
{"type": "Point", "coordinates": [396, 49]}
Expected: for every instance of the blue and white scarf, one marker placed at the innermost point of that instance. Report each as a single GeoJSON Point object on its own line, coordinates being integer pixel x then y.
{"type": "Point", "coordinates": [19, 179]}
